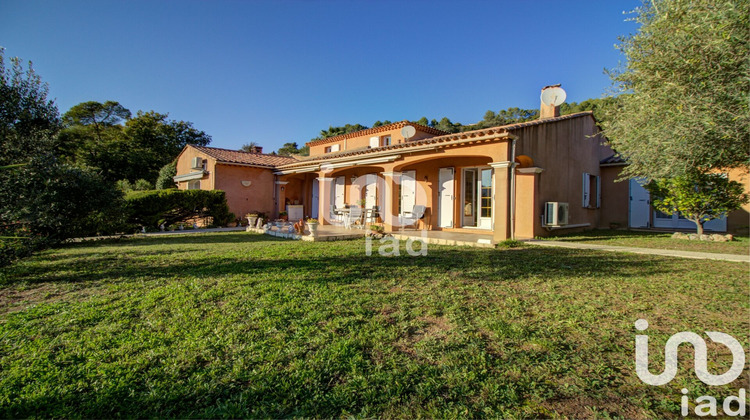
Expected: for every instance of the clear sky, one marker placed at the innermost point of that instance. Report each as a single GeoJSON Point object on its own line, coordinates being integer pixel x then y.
{"type": "Point", "coordinates": [278, 71]}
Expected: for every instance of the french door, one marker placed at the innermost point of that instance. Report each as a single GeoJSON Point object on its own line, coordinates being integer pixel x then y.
{"type": "Point", "coordinates": [477, 198]}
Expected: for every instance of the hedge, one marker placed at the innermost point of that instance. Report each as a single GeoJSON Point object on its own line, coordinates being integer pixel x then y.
{"type": "Point", "coordinates": [154, 207]}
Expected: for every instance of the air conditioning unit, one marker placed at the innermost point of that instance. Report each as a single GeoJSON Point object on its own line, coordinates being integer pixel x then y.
{"type": "Point", "coordinates": [555, 213]}
{"type": "Point", "coordinates": [196, 163]}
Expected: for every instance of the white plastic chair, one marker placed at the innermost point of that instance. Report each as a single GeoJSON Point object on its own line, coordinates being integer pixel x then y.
{"type": "Point", "coordinates": [411, 218]}
{"type": "Point", "coordinates": [355, 214]}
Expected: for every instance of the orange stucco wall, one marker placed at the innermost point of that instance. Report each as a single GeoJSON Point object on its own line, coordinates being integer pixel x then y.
{"type": "Point", "coordinates": [565, 150]}
{"type": "Point", "coordinates": [527, 207]}
{"type": "Point", "coordinates": [228, 178]}
{"type": "Point", "coordinates": [739, 221]}
{"type": "Point", "coordinates": [364, 141]}
{"type": "Point", "coordinates": [242, 200]}
{"type": "Point", "coordinates": [615, 198]}
{"type": "Point", "coordinates": [183, 167]}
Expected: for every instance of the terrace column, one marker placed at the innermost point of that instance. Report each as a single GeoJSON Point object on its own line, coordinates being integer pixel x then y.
{"type": "Point", "coordinates": [528, 208]}
{"type": "Point", "coordinates": [501, 200]}
{"type": "Point", "coordinates": [389, 212]}
{"type": "Point", "coordinates": [325, 186]}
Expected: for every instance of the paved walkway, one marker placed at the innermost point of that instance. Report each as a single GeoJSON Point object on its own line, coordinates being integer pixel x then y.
{"type": "Point", "coordinates": [647, 251]}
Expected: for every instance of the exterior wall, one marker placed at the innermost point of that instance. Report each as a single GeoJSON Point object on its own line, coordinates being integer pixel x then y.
{"type": "Point", "coordinates": [739, 221]}
{"type": "Point", "coordinates": [363, 141]}
{"type": "Point", "coordinates": [527, 207]}
{"type": "Point", "coordinates": [426, 165]}
{"type": "Point", "coordinates": [615, 198]}
{"type": "Point", "coordinates": [183, 167]}
{"type": "Point", "coordinates": [242, 200]}
{"type": "Point", "coordinates": [565, 150]}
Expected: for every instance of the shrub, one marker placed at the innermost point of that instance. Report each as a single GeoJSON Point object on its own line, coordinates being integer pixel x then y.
{"type": "Point", "coordinates": [165, 180]}
{"type": "Point", "coordinates": [152, 208]}
{"type": "Point", "coordinates": [45, 202]}
{"type": "Point", "coordinates": [510, 243]}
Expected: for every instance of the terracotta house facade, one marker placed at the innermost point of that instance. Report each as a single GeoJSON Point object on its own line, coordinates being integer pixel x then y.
{"type": "Point", "coordinates": [514, 181]}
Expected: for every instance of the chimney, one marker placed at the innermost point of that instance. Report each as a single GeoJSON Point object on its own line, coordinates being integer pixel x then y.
{"type": "Point", "coordinates": [551, 98]}
{"type": "Point", "coordinates": [256, 149]}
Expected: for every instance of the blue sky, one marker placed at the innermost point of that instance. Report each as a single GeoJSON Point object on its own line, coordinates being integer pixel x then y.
{"type": "Point", "coordinates": [280, 71]}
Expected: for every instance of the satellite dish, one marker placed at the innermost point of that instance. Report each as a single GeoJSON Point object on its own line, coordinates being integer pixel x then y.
{"type": "Point", "coordinates": [553, 96]}
{"type": "Point", "coordinates": [408, 132]}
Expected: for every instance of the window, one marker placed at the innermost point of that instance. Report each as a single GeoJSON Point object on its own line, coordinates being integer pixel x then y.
{"type": "Point", "coordinates": [592, 191]}
{"type": "Point", "coordinates": [194, 184]}
{"type": "Point", "coordinates": [328, 149]}
{"type": "Point", "coordinates": [385, 141]}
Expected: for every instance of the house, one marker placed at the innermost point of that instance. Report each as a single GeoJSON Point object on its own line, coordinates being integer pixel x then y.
{"type": "Point", "coordinates": [246, 178]}
{"type": "Point", "coordinates": [515, 181]}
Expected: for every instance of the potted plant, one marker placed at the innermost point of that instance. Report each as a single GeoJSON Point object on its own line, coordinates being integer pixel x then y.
{"type": "Point", "coordinates": [251, 217]}
{"type": "Point", "coordinates": [284, 216]}
{"type": "Point", "coordinates": [312, 224]}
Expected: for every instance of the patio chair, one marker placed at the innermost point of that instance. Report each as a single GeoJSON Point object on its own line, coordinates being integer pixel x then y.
{"type": "Point", "coordinates": [355, 214]}
{"type": "Point", "coordinates": [372, 214]}
{"type": "Point", "coordinates": [337, 216]}
{"type": "Point", "coordinates": [411, 218]}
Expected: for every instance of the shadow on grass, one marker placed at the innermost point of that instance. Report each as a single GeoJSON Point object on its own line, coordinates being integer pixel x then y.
{"type": "Point", "coordinates": [348, 266]}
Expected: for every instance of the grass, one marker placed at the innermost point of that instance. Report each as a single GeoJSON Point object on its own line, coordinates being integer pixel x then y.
{"type": "Point", "coordinates": [660, 240]}
{"type": "Point", "coordinates": [243, 325]}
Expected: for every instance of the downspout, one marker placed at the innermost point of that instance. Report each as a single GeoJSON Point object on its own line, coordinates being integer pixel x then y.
{"type": "Point", "coordinates": [275, 197]}
{"type": "Point", "coordinates": [513, 188]}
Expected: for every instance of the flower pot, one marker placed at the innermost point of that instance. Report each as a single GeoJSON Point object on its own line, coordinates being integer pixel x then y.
{"type": "Point", "coordinates": [313, 229]}
{"type": "Point", "coordinates": [251, 220]}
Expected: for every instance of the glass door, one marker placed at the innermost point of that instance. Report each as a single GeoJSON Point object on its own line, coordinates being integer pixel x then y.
{"type": "Point", "coordinates": [470, 198]}
{"type": "Point", "coordinates": [485, 209]}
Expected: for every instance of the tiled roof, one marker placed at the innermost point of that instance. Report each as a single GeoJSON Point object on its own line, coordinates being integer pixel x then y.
{"type": "Point", "coordinates": [369, 131]}
{"type": "Point", "coordinates": [245, 158]}
{"type": "Point", "coordinates": [435, 140]}
{"type": "Point", "coordinates": [613, 160]}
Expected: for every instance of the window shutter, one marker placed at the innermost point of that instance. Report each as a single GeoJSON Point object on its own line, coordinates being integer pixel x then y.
{"type": "Point", "coordinates": [335, 148]}
{"type": "Point", "coordinates": [586, 189]}
{"type": "Point", "coordinates": [374, 141]}
{"type": "Point", "coordinates": [598, 192]}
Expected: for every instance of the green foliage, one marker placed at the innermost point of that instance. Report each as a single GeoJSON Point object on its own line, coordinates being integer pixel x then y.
{"type": "Point", "coordinates": [167, 173]}
{"type": "Point", "coordinates": [152, 208]}
{"type": "Point", "coordinates": [96, 114]}
{"type": "Point", "coordinates": [337, 131]}
{"type": "Point", "coordinates": [46, 202]}
{"type": "Point", "coordinates": [379, 123]}
{"type": "Point", "coordinates": [698, 197]}
{"type": "Point", "coordinates": [289, 149]}
{"type": "Point", "coordinates": [684, 90]}
{"type": "Point", "coordinates": [94, 137]}
{"type": "Point", "coordinates": [510, 243]}
{"type": "Point", "coordinates": [28, 120]}
{"type": "Point", "coordinates": [139, 185]}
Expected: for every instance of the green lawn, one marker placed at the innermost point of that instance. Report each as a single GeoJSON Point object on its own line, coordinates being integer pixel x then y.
{"type": "Point", "coordinates": [242, 325]}
{"type": "Point", "coordinates": [739, 246]}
